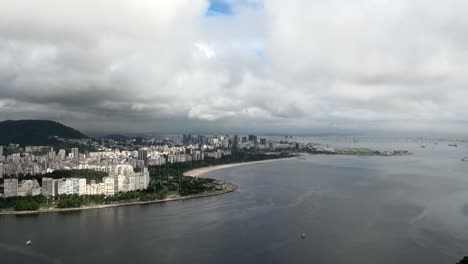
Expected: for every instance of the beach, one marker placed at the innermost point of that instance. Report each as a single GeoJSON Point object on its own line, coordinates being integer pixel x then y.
{"type": "Point", "coordinates": [200, 171]}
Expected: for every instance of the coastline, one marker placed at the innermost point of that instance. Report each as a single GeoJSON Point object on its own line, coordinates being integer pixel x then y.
{"type": "Point", "coordinates": [228, 187]}
{"type": "Point", "coordinates": [203, 170]}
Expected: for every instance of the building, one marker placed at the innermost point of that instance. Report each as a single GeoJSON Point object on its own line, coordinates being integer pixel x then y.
{"type": "Point", "coordinates": [146, 178]}
{"type": "Point", "coordinates": [131, 183]}
{"type": "Point", "coordinates": [2, 170]}
{"type": "Point", "coordinates": [119, 184]}
{"type": "Point", "coordinates": [202, 140]}
{"type": "Point", "coordinates": [51, 155]}
{"type": "Point", "coordinates": [29, 188]}
{"type": "Point", "coordinates": [235, 143]}
{"type": "Point", "coordinates": [109, 188]}
{"type": "Point", "coordinates": [253, 138]}
{"type": "Point", "coordinates": [124, 170]}
{"type": "Point", "coordinates": [143, 155]}
{"type": "Point", "coordinates": [65, 186]}
{"type": "Point", "coordinates": [1, 150]}
{"type": "Point", "coordinates": [10, 187]}
{"type": "Point", "coordinates": [62, 154]}
{"type": "Point", "coordinates": [75, 153]}
{"type": "Point", "coordinates": [78, 186]}
{"type": "Point", "coordinates": [101, 188]}
{"type": "Point", "coordinates": [48, 187]}
{"type": "Point", "coordinates": [81, 186]}
{"type": "Point", "coordinates": [92, 188]}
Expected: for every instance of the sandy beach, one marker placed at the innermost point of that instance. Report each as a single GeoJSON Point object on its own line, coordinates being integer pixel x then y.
{"type": "Point", "coordinates": [200, 171]}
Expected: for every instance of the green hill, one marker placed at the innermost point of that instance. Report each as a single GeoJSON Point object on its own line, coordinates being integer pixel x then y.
{"type": "Point", "coordinates": [34, 132]}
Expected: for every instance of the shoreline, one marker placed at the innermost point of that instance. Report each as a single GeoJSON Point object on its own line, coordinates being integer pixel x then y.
{"type": "Point", "coordinates": [231, 187]}
{"type": "Point", "coordinates": [203, 170]}
{"type": "Point", "coordinates": [191, 173]}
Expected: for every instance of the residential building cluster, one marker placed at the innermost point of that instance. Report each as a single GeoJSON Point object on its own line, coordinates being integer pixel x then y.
{"type": "Point", "coordinates": [121, 179]}
{"type": "Point", "coordinates": [117, 157]}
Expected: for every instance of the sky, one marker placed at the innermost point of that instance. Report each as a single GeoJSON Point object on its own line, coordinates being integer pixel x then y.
{"type": "Point", "coordinates": [263, 66]}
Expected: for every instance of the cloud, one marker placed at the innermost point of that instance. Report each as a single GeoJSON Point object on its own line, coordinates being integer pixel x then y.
{"type": "Point", "coordinates": [205, 50]}
{"type": "Point", "coordinates": [291, 66]}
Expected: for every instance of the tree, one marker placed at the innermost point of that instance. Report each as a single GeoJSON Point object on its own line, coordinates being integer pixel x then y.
{"type": "Point", "coordinates": [26, 205]}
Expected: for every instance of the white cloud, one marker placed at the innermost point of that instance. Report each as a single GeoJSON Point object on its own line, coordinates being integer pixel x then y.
{"type": "Point", "coordinates": [205, 50]}
{"type": "Point", "coordinates": [300, 64]}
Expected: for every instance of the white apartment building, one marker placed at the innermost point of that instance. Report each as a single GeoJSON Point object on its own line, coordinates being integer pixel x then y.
{"type": "Point", "coordinates": [65, 186]}
{"type": "Point", "coordinates": [119, 184]}
{"type": "Point", "coordinates": [10, 187]}
{"type": "Point", "coordinates": [108, 186]}
{"type": "Point", "coordinates": [124, 170]}
{"type": "Point", "coordinates": [131, 183]}
{"type": "Point", "coordinates": [48, 187]}
{"type": "Point", "coordinates": [29, 188]}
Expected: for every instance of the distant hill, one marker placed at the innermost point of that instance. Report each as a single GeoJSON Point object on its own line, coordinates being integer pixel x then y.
{"type": "Point", "coordinates": [34, 132]}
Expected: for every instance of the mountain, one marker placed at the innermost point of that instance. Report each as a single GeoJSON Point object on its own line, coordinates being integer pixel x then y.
{"type": "Point", "coordinates": [34, 132]}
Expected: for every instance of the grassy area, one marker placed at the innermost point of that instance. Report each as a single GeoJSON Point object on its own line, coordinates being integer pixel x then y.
{"type": "Point", "coordinates": [356, 151]}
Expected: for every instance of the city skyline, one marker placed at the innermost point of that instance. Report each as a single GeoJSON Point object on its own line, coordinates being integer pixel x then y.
{"type": "Point", "coordinates": [295, 67]}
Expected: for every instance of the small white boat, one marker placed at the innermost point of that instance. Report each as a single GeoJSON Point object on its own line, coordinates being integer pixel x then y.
{"type": "Point", "coordinates": [28, 242]}
{"type": "Point", "coordinates": [303, 236]}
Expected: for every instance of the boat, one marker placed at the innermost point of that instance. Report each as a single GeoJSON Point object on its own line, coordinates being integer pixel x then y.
{"type": "Point", "coordinates": [423, 146]}
{"type": "Point", "coordinates": [303, 236]}
{"type": "Point", "coordinates": [28, 242]}
{"type": "Point", "coordinates": [452, 145]}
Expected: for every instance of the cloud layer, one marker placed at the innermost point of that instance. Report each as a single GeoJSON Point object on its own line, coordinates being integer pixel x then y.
{"type": "Point", "coordinates": [288, 66]}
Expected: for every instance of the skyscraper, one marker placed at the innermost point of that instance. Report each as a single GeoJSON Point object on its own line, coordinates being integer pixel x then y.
{"type": "Point", "coordinates": [253, 138]}
{"type": "Point", "coordinates": [75, 153]}
{"type": "Point", "coordinates": [236, 141]}
{"type": "Point", "coordinates": [143, 155]}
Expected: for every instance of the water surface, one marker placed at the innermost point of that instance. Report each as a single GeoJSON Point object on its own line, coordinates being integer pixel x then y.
{"type": "Point", "coordinates": [410, 209]}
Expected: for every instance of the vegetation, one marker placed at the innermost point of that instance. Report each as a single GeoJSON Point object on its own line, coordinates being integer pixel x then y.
{"type": "Point", "coordinates": [34, 132]}
{"type": "Point", "coordinates": [355, 151]}
{"type": "Point", "coordinates": [70, 203]}
{"type": "Point", "coordinates": [26, 205]}
{"type": "Point", "coordinates": [169, 177]}
{"type": "Point", "coordinates": [22, 203]}
{"type": "Point", "coordinates": [87, 174]}
{"type": "Point", "coordinates": [463, 261]}
{"type": "Point", "coordinates": [67, 146]}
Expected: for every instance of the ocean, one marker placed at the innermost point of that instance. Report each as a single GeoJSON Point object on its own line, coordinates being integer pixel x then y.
{"type": "Point", "coordinates": [402, 209]}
